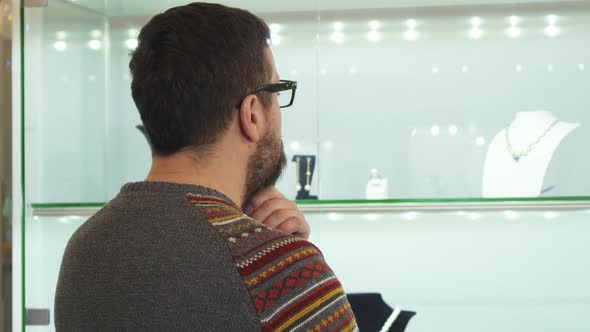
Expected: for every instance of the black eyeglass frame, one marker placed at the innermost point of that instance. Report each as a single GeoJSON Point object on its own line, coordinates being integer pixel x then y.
{"type": "Point", "coordinates": [283, 85]}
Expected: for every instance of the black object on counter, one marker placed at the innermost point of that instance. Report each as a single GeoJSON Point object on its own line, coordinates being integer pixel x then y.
{"type": "Point", "coordinates": [372, 312]}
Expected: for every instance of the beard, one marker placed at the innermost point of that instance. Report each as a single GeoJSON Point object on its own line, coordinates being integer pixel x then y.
{"type": "Point", "coordinates": [265, 166]}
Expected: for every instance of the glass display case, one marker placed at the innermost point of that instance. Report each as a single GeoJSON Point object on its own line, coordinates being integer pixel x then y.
{"type": "Point", "coordinates": [464, 99]}
{"type": "Point", "coordinates": [447, 138]}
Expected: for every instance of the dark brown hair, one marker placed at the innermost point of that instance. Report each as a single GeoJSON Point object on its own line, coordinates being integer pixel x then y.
{"type": "Point", "coordinates": [192, 65]}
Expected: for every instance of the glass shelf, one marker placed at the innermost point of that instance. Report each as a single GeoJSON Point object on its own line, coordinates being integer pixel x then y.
{"type": "Point", "coordinates": [461, 271]}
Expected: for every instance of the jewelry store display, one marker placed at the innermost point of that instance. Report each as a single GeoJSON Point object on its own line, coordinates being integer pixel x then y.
{"type": "Point", "coordinates": [517, 155]}
{"type": "Point", "coordinates": [297, 161]}
{"type": "Point", "coordinates": [308, 175]}
{"type": "Point", "coordinates": [304, 169]}
{"type": "Point", "coordinates": [377, 186]}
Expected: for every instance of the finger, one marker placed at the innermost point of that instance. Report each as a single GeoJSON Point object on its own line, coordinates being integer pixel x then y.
{"type": "Point", "coordinates": [270, 206]}
{"type": "Point", "coordinates": [295, 226]}
{"type": "Point", "coordinates": [280, 216]}
{"type": "Point", "coordinates": [262, 196]}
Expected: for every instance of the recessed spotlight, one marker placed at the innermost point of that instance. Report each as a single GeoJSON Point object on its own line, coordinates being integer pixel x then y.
{"type": "Point", "coordinates": [514, 32]}
{"type": "Point", "coordinates": [410, 216]}
{"type": "Point", "coordinates": [511, 215]}
{"type": "Point", "coordinates": [338, 26]}
{"type": "Point", "coordinates": [132, 33]}
{"type": "Point", "coordinates": [371, 216]}
{"type": "Point", "coordinates": [550, 215]}
{"type": "Point", "coordinates": [275, 28]}
{"type": "Point", "coordinates": [334, 216]}
{"type": "Point", "coordinates": [475, 21]}
{"type": "Point", "coordinates": [411, 35]}
{"type": "Point", "coordinates": [480, 141]}
{"type": "Point", "coordinates": [411, 24]}
{"type": "Point", "coordinates": [475, 33]}
{"type": "Point", "coordinates": [275, 39]}
{"type": "Point", "coordinates": [374, 36]}
{"type": "Point", "coordinates": [132, 43]}
{"type": "Point", "coordinates": [552, 31]}
{"type": "Point", "coordinates": [96, 34]}
{"type": "Point", "coordinates": [95, 44]}
{"type": "Point", "coordinates": [61, 35]}
{"type": "Point", "coordinates": [328, 145]}
{"type": "Point", "coordinates": [295, 145]}
{"type": "Point", "coordinates": [514, 20]}
{"type": "Point", "coordinates": [453, 130]}
{"type": "Point", "coordinates": [60, 45]}
{"type": "Point", "coordinates": [374, 25]}
{"type": "Point", "coordinates": [337, 37]}
{"type": "Point", "coordinates": [435, 130]}
{"type": "Point", "coordinates": [474, 216]}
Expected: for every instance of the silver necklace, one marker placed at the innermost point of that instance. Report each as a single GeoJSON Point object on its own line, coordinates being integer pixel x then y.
{"type": "Point", "coordinates": [518, 154]}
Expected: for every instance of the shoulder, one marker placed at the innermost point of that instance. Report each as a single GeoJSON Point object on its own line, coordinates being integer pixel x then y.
{"type": "Point", "coordinates": [290, 283]}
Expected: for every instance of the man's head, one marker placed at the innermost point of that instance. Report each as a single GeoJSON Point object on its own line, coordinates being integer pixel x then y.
{"type": "Point", "coordinates": [193, 73]}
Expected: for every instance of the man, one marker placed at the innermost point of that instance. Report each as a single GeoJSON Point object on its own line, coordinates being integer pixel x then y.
{"type": "Point", "coordinates": [205, 243]}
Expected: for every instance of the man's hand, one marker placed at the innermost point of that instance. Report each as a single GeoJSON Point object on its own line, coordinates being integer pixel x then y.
{"type": "Point", "coordinates": [273, 209]}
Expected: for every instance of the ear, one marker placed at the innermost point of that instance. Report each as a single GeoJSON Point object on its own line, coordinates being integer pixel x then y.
{"type": "Point", "coordinates": [251, 118]}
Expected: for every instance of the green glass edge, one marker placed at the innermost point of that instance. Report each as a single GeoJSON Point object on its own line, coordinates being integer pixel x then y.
{"type": "Point", "coordinates": [65, 205]}
{"type": "Point", "coordinates": [447, 200]}
{"type": "Point", "coordinates": [361, 202]}
{"type": "Point", "coordinates": [22, 174]}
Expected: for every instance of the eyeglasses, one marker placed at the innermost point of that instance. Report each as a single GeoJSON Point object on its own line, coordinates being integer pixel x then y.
{"type": "Point", "coordinates": [285, 89]}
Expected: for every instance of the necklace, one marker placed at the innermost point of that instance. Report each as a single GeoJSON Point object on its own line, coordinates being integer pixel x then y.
{"type": "Point", "coordinates": [518, 154]}
{"type": "Point", "coordinates": [298, 187]}
{"type": "Point", "coordinates": [308, 174]}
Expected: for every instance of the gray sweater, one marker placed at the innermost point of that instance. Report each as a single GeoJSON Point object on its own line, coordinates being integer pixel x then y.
{"type": "Point", "coordinates": [171, 257]}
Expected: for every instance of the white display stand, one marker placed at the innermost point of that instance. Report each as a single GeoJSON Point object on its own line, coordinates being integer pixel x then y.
{"type": "Point", "coordinates": [503, 176]}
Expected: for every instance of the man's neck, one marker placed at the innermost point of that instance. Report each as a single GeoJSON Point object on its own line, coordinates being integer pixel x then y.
{"type": "Point", "coordinates": [222, 174]}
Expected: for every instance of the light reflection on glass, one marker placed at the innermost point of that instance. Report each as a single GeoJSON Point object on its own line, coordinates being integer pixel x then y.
{"type": "Point", "coordinates": [435, 130]}
{"type": "Point", "coordinates": [514, 32]}
{"type": "Point", "coordinates": [61, 35]}
{"type": "Point", "coordinates": [552, 31]}
{"type": "Point", "coordinates": [60, 45]}
{"type": "Point", "coordinates": [275, 27]}
{"type": "Point", "coordinates": [131, 43]}
{"type": "Point", "coordinates": [511, 215]}
{"type": "Point", "coordinates": [550, 215]}
{"type": "Point", "coordinates": [409, 216]}
{"type": "Point", "coordinates": [374, 25]}
{"type": "Point", "coordinates": [95, 44]}
{"type": "Point", "coordinates": [374, 36]}
{"type": "Point", "coordinates": [411, 35]}
{"type": "Point", "coordinates": [480, 141]}
{"type": "Point", "coordinates": [337, 37]}
{"type": "Point", "coordinates": [295, 145]}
